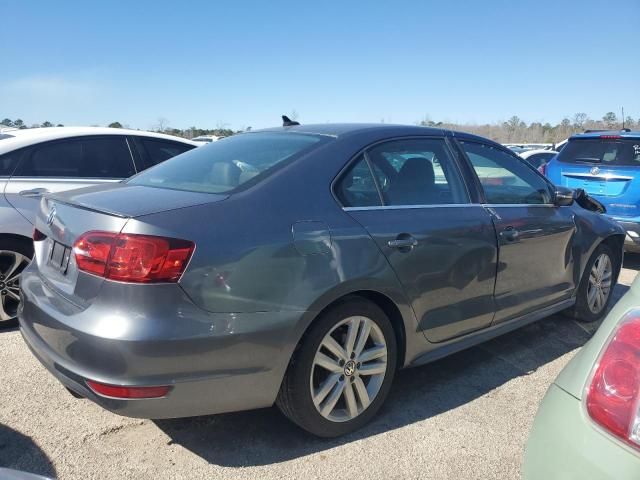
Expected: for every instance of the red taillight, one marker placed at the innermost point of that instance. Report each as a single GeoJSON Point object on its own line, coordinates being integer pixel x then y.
{"type": "Point", "coordinates": [117, 391]}
{"type": "Point", "coordinates": [492, 181]}
{"type": "Point", "coordinates": [38, 236]}
{"type": "Point", "coordinates": [543, 169]}
{"type": "Point", "coordinates": [132, 258]}
{"type": "Point", "coordinates": [610, 137]}
{"type": "Point", "coordinates": [613, 395]}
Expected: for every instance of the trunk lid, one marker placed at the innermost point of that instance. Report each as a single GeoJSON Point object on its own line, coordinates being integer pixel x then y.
{"type": "Point", "coordinates": [62, 218]}
{"type": "Point", "coordinates": [606, 166]}
{"type": "Point", "coordinates": [617, 187]}
{"type": "Point", "coordinates": [130, 201]}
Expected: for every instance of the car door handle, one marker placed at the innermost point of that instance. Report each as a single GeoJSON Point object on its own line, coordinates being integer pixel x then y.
{"type": "Point", "coordinates": [403, 243]}
{"type": "Point", "coordinates": [35, 192]}
{"type": "Point", "coordinates": [509, 234]}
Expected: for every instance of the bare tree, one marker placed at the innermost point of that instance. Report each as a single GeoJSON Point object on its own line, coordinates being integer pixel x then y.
{"type": "Point", "coordinates": [162, 124]}
{"type": "Point", "coordinates": [579, 119]}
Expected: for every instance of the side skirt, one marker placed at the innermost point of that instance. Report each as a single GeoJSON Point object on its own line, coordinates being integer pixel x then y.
{"type": "Point", "coordinates": [481, 336]}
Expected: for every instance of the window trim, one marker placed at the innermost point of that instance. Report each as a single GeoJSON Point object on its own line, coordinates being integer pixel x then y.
{"type": "Point", "coordinates": [363, 151]}
{"type": "Point", "coordinates": [31, 149]}
{"type": "Point", "coordinates": [480, 188]}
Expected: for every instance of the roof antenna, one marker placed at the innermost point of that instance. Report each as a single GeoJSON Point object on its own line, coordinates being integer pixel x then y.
{"type": "Point", "coordinates": [287, 122]}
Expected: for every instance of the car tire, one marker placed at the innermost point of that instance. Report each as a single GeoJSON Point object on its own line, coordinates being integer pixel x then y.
{"type": "Point", "coordinates": [309, 387]}
{"type": "Point", "coordinates": [15, 255]}
{"type": "Point", "coordinates": [586, 300]}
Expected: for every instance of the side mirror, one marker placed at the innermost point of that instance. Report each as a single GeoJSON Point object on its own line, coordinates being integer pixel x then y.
{"type": "Point", "coordinates": [563, 197]}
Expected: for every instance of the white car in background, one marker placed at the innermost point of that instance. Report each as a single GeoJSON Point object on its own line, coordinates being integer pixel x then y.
{"type": "Point", "coordinates": [204, 139]}
{"type": "Point", "coordinates": [538, 158]}
{"type": "Point", "coordinates": [36, 161]}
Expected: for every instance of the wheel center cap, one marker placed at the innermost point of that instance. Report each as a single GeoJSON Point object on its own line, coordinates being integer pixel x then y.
{"type": "Point", "coordinates": [2, 285]}
{"type": "Point", "coordinates": [349, 368]}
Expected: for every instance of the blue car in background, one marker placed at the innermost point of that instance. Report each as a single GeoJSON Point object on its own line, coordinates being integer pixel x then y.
{"type": "Point", "coordinates": [606, 165]}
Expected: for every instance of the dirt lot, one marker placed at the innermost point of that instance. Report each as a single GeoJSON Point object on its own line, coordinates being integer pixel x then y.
{"type": "Point", "coordinates": [466, 416]}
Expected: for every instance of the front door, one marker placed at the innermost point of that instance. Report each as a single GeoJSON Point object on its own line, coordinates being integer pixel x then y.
{"type": "Point", "coordinates": [535, 257]}
{"type": "Point", "coordinates": [441, 247]}
{"type": "Point", "coordinates": [64, 165]}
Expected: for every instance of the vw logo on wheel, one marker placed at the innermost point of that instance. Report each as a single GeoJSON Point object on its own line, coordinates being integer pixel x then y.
{"type": "Point", "coordinates": [350, 368]}
{"type": "Point", "coordinates": [52, 215]}
{"type": "Point", "coordinates": [595, 170]}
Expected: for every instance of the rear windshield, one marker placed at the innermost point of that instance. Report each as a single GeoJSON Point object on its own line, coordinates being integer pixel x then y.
{"type": "Point", "coordinates": [623, 151]}
{"type": "Point", "coordinates": [225, 165]}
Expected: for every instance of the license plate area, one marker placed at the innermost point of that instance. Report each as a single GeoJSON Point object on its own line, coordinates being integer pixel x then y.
{"type": "Point", "coordinates": [59, 257]}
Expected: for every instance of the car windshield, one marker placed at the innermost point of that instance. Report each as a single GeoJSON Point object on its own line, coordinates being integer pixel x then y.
{"type": "Point", "coordinates": [605, 151]}
{"type": "Point", "coordinates": [225, 165]}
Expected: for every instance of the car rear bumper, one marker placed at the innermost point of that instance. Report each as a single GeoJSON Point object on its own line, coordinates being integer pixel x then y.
{"type": "Point", "coordinates": [214, 363]}
{"type": "Point", "coordinates": [564, 443]}
{"type": "Point", "coordinates": [632, 229]}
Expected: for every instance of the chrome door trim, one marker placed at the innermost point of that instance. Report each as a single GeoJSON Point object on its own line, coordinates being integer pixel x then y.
{"type": "Point", "coordinates": [519, 205]}
{"type": "Point", "coordinates": [410, 207]}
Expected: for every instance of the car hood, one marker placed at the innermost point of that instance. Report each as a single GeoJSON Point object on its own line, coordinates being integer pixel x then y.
{"type": "Point", "coordinates": [130, 201]}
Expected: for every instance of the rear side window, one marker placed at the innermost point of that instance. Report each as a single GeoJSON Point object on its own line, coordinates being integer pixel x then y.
{"type": "Point", "coordinates": [227, 164]}
{"type": "Point", "coordinates": [417, 172]}
{"type": "Point", "coordinates": [155, 151]}
{"type": "Point", "coordinates": [93, 157]}
{"type": "Point", "coordinates": [356, 187]}
{"type": "Point", "coordinates": [506, 179]}
{"type": "Point", "coordinates": [8, 163]}
{"type": "Point", "coordinates": [538, 159]}
{"type": "Point", "coordinates": [624, 151]}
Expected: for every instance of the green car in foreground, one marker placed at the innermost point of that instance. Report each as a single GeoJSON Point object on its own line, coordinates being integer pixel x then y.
{"type": "Point", "coordinates": [588, 425]}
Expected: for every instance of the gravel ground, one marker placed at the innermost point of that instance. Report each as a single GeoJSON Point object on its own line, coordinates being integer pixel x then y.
{"type": "Point", "coordinates": [467, 416]}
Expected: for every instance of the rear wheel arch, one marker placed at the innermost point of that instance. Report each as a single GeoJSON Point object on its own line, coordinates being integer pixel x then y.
{"type": "Point", "coordinates": [382, 301]}
{"type": "Point", "coordinates": [12, 237]}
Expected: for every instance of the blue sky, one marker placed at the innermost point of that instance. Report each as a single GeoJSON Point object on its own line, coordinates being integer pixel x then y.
{"type": "Point", "coordinates": [242, 64]}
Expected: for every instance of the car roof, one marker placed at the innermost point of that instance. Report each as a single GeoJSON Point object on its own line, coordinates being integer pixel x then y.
{"type": "Point", "coordinates": [338, 130]}
{"type": "Point", "coordinates": [32, 136]}
{"type": "Point", "coordinates": [528, 153]}
{"type": "Point", "coordinates": [600, 133]}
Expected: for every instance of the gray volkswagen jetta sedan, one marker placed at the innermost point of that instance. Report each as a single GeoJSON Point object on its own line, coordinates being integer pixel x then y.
{"type": "Point", "coordinates": [303, 266]}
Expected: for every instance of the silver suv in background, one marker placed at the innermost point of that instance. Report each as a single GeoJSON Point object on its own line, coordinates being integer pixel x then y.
{"type": "Point", "coordinates": [42, 160]}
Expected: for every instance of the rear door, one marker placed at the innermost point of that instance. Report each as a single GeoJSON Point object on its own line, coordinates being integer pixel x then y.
{"type": "Point", "coordinates": [66, 164]}
{"type": "Point", "coordinates": [535, 237]}
{"type": "Point", "coordinates": [442, 247]}
{"type": "Point", "coordinates": [607, 167]}
{"type": "Point", "coordinates": [152, 151]}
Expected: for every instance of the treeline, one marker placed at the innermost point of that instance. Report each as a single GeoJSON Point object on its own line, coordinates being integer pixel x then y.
{"type": "Point", "coordinates": [515, 130]}
{"type": "Point", "coordinates": [19, 123]}
{"type": "Point", "coordinates": [186, 133]}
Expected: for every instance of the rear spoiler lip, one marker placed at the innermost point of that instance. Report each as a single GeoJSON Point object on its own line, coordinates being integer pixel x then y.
{"type": "Point", "coordinates": [59, 199]}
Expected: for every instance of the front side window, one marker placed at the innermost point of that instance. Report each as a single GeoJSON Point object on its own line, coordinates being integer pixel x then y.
{"type": "Point", "coordinates": [96, 157]}
{"type": "Point", "coordinates": [506, 179]}
{"type": "Point", "coordinates": [224, 166]}
{"type": "Point", "coordinates": [622, 151]}
{"type": "Point", "coordinates": [417, 172]}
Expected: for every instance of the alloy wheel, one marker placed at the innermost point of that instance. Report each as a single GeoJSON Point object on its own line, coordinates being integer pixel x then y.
{"type": "Point", "coordinates": [11, 266]}
{"type": "Point", "coordinates": [348, 369]}
{"type": "Point", "coordinates": [600, 279]}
